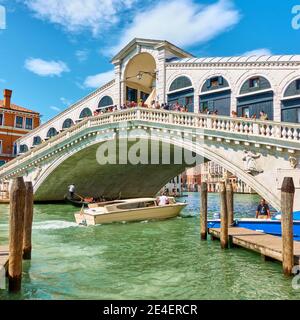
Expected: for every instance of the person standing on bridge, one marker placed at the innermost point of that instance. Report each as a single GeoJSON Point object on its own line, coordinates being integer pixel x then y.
{"type": "Point", "coordinates": [263, 210]}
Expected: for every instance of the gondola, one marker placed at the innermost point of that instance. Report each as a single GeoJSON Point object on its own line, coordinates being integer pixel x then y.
{"type": "Point", "coordinates": [78, 202]}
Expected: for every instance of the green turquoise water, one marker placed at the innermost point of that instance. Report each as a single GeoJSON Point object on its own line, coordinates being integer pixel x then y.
{"type": "Point", "coordinates": [148, 260]}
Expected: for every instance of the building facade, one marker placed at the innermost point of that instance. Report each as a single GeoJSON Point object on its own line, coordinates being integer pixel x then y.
{"type": "Point", "coordinates": [15, 122]}
{"type": "Point", "coordinates": [158, 70]}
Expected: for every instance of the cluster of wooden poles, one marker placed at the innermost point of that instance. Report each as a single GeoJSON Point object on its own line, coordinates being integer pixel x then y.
{"type": "Point", "coordinates": [20, 230]}
{"type": "Point", "coordinates": [227, 218]}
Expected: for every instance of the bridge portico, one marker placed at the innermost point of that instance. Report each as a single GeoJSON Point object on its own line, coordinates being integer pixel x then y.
{"type": "Point", "coordinates": [261, 153]}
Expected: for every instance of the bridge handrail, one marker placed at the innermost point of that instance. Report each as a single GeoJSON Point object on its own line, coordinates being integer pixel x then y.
{"type": "Point", "coordinates": [267, 129]}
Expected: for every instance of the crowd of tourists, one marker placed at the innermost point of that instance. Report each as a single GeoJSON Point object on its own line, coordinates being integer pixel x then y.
{"type": "Point", "coordinates": [173, 107]}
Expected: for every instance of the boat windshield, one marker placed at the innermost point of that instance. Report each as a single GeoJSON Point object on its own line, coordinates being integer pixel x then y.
{"type": "Point", "coordinates": [136, 205]}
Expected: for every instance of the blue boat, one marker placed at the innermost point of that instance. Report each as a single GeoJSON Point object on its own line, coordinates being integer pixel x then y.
{"type": "Point", "coordinates": [271, 226]}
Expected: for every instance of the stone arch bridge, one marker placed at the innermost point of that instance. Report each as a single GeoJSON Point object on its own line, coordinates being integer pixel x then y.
{"type": "Point", "coordinates": [261, 153]}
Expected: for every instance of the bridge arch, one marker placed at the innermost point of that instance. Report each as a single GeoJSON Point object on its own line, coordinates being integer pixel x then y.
{"type": "Point", "coordinates": [181, 90]}
{"type": "Point", "coordinates": [215, 94]}
{"type": "Point", "coordinates": [139, 78]}
{"type": "Point", "coordinates": [112, 179]}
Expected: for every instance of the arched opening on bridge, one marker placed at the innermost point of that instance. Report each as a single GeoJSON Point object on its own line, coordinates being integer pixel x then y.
{"type": "Point", "coordinates": [105, 102]}
{"type": "Point", "coordinates": [256, 95]}
{"type": "Point", "coordinates": [85, 113]}
{"type": "Point", "coordinates": [23, 148]}
{"type": "Point", "coordinates": [37, 140]}
{"type": "Point", "coordinates": [68, 123]}
{"type": "Point", "coordinates": [140, 79]}
{"type": "Point", "coordinates": [215, 96]}
{"type": "Point", "coordinates": [290, 104]}
{"type": "Point", "coordinates": [51, 132]}
{"type": "Point", "coordinates": [181, 92]}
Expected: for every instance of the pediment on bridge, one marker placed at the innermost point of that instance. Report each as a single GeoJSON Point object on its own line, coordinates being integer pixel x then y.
{"type": "Point", "coordinates": [150, 43]}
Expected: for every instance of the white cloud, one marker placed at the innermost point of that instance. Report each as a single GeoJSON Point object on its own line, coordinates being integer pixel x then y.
{"type": "Point", "coordinates": [46, 68]}
{"type": "Point", "coordinates": [78, 15]}
{"type": "Point", "coordinates": [97, 80]}
{"type": "Point", "coordinates": [55, 108]}
{"type": "Point", "coordinates": [183, 22]}
{"type": "Point", "coordinates": [258, 52]}
{"type": "Point", "coordinates": [65, 101]}
{"type": "Point", "coordinates": [82, 55]}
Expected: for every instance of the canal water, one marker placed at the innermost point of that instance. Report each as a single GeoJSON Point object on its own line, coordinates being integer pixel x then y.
{"type": "Point", "coordinates": [147, 260]}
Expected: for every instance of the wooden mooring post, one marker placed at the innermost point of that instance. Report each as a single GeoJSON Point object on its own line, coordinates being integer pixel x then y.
{"type": "Point", "coordinates": [224, 216]}
{"type": "Point", "coordinates": [287, 202]}
{"type": "Point", "coordinates": [203, 211]}
{"type": "Point", "coordinates": [16, 230]}
{"type": "Point", "coordinates": [28, 221]}
{"type": "Point", "coordinates": [230, 203]}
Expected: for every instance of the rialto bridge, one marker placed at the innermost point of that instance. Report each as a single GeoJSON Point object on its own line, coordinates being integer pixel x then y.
{"type": "Point", "coordinates": [261, 153]}
{"type": "Point", "coordinates": [63, 150]}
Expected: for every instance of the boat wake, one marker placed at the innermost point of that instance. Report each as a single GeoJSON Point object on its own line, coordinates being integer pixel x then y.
{"type": "Point", "coordinates": [53, 224]}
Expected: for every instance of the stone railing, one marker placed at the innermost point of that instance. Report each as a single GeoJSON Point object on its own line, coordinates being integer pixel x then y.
{"type": "Point", "coordinates": [266, 129]}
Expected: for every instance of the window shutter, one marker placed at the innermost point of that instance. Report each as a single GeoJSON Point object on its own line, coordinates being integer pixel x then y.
{"type": "Point", "coordinates": [208, 83]}
{"type": "Point", "coordinates": [220, 80]}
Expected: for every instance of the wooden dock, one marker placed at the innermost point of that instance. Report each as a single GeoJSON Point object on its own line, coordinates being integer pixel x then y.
{"type": "Point", "coordinates": [4, 256]}
{"type": "Point", "coordinates": [267, 245]}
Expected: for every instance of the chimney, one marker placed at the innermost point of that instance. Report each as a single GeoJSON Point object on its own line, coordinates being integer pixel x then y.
{"type": "Point", "coordinates": [7, 96]}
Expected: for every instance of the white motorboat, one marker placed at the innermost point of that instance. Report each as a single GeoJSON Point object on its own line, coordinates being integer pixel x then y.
{"type": "Point", "coordinates": [128, 210]}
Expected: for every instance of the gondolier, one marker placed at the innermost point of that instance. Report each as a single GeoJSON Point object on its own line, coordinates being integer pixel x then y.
{"type": "Point", "coordinates": [71, 189]}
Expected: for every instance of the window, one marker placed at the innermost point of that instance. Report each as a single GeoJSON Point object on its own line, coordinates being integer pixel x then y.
{"type": "Point", "coordinates": [28, 123]}
{"type": "Point", "coordinates": [37, 140]}
{"type": "Point", "coordinates": [67, 123]}
{"type": "Point", "coordinates": [19, 122]}
{"type": "Point", "coordinates": [2, 163]}
{"type": "Point", "coordinates": [52, 132]}
{"type": "Point", "coordinates": [86, 112]}
{"type": "Point", "coordinates": [298, 84]}
{"type": "Point", "coordinates": [106, 101]}
{"type": "Point", "coordinates": [23, 148]}
{"type": "Point", "coordinates": [254, 83]}
{"type": "Point", "coordinates": [180, 83]}
{"type": "Point", "coordinates": [1, 119]}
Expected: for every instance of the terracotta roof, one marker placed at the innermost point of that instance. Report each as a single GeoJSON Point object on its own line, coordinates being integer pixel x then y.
{"type": "Point", "coordinates": [17, 108]}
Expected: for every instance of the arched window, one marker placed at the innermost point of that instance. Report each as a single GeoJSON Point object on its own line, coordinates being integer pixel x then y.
{"type": "Point", "coordinates": [23, 148]}
{"type": "Point", "coordinates": [68, 123]}
{"type": "Point", "coordinates": [293, 89]}
{"type": "Point", "coordinates": [52, 132]}
{"type": "Point", "coordinates": [86, 112]}
{"type": "Point", "coordinates": [256, 96]}
{"type": "Point", "coordinates": [37, 140]}
{"type": "Point", "coordinates": [106, 101]}
{"type": "Point", "coordinates": [214, 83]}
{"type": "Point", "coordinates": [254, 84]}
{"type": "Point", "coordinates": [215, 101]}
{"type": "Point", "coordinates": [180, 83]}
{"type": "Point", "coordinates": [290, 104]}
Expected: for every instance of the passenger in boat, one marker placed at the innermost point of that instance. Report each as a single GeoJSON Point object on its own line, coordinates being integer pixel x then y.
{"type": "Point", "coordinates": [163, 199]}
{"type": "Point", "coordinates": [71, 189]}
{"type": "Point", "coordinates": [263, 210]}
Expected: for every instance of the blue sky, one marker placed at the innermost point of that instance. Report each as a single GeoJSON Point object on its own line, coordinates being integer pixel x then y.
{"type": "Point", "coordinates": [53, 52]}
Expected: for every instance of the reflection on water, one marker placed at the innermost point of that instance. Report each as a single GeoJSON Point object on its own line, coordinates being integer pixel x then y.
{"type": "Point", "coordinates": [150, 260]}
